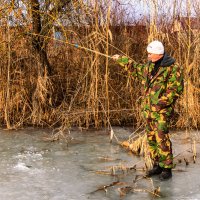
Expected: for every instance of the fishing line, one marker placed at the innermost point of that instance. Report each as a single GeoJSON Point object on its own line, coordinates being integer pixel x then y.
{"type": "Point", "coordinates": [76, 45]}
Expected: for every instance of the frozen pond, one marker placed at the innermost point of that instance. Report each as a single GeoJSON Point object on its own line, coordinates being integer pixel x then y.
{"type": "Point", "coordinates": [34, 169]}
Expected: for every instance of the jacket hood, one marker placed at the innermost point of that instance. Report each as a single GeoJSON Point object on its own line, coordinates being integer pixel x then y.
{"type": "Point", "coordinates": [167, 60]}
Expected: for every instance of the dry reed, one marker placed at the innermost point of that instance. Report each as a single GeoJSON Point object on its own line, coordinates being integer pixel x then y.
{"type": "Point", "coordinates": [87, 89]}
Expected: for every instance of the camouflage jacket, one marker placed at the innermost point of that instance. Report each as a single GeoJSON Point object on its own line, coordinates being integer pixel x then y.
{"type": "Point", "coordinates": [160, 90]}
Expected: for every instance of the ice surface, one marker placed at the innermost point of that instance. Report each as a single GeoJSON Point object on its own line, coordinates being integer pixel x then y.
{"type": "Point", "coordinates": [34, 169]}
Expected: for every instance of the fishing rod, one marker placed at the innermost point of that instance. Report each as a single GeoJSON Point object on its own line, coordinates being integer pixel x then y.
{"type": "Point", "coordinates": [76, 45]}
{"type": "Point", "coordinates": [72, 44]}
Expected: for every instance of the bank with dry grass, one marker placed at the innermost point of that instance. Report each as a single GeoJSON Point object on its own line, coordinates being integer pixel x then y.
{"type": "Point", "coordinates": [47, 81]}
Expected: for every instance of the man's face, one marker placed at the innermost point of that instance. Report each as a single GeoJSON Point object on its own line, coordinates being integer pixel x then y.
{"type": "Point", "coordinates": [154, 57]}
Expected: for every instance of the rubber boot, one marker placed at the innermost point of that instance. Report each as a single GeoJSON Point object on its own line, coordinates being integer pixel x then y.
{"type": "Point", "coordinates": [166, 174]}
{"type": "Point", "coordinates": [156, 170]}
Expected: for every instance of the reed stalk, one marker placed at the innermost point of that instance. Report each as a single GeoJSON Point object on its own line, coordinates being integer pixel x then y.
{"type": "Point", "coordinates": [7, 100]}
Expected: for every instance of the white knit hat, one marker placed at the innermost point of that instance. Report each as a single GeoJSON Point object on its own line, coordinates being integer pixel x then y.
{"type": "Point", "coordinates": [155, 47]}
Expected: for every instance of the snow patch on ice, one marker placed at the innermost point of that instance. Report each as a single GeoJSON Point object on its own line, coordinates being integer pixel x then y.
{"type": "Point", "coordinates": [21, 167]}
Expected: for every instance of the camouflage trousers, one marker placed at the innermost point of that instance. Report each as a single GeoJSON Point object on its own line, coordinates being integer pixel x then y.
{"type": "Point", "coordinates": [160, 146]}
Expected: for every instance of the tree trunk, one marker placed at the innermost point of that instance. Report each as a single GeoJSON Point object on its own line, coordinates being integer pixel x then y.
{"type": "Point", "coordinates": [38, 39]}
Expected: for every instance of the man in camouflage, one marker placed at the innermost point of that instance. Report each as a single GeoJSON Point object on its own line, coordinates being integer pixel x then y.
{"type": "Point", "coordinates": [163, 83]}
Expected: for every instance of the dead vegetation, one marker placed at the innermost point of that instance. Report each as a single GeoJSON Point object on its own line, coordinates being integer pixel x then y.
{"type": "Point", "coordinates": [56, 69]}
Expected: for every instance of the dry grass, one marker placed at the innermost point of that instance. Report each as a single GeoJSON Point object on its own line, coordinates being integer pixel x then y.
{"type": "Point", "coordinates": [87, 88]}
